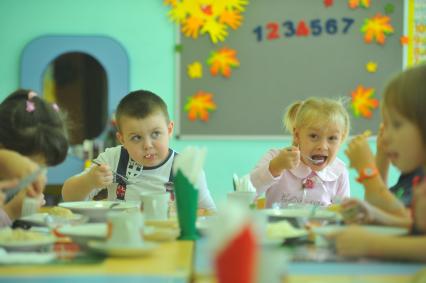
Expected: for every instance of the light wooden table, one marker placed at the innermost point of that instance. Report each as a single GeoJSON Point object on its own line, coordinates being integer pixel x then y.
{"type": "Point", "coordinates": [323, 272]}
{"type": "Point", "coordinates": [171, 262]}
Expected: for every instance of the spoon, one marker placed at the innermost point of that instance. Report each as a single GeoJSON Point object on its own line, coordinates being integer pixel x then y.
{"type": "Point", "coordinates": [314, 161]}
{"type": "Point", "coordinates": [115, 173]}
{"type": "Point", "coordinates": [114, 205]}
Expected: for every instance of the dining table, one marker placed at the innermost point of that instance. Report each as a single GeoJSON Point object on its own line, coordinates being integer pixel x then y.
{"type": "Point", "coordinates": [170, 262]}
{"type": "Point", "coordinates": [317, 265]}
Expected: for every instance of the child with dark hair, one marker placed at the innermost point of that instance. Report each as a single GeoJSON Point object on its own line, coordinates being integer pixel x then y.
{"type": "Point", "coordinates": [33, 127]}
{"type": "Point", "coordinates": [32, 134]}
{"type": "Point", "coordinates": [143, 158]}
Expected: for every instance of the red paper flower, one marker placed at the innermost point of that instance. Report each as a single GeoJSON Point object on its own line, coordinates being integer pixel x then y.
{"type": "Point", "coordinates": [308, 183]}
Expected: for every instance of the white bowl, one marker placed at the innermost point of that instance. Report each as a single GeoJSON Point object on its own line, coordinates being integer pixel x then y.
{"type": "Point", "coordinates": [97, 210]}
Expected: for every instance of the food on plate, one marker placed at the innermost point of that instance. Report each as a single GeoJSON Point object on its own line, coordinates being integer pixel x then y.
{"type": "Point", "coordinates": [19, 235]}
{"type": "Point", "coordinates": [283, 229]}
{"type": "Point", "coordinates": [59, 211]}
{"type": "Point", "coordinates": [335, 208]}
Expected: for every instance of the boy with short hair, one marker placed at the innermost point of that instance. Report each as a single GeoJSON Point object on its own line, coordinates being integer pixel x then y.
{"type": "Point", "coordinates": [143, 158]}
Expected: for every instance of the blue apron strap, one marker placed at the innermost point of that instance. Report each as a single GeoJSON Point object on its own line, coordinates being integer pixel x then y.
{"type": "Point", "coordinates": [122, 170]}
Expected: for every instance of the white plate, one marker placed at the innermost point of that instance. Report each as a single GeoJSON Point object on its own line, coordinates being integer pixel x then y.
{"type": "Point", "coordinates": [45, 219]}
{"type": "Point", "coordinates": [96, 210]}
{"type": "Point", "coordinates": [83, 233]}
{"type": "Point", "coordinates": [43, 242]}
{"type": "Point", "coordinates": [383, 230]}
{"type": "Point", "coordinates": [320, 213]}
{"type": "Point", "coordinates": [284, 230]}
{"type": "Point", "coordinates": [144, 248]}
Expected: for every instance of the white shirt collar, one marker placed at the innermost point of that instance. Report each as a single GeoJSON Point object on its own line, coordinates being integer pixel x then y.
{"type": "Point", "coordinates": [329, 173]}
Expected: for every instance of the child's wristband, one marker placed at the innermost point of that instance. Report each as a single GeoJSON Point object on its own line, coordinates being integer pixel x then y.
{"type": "Point", "coordinates": [367, 172]}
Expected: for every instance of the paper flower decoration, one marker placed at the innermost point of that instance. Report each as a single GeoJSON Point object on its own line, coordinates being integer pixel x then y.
{"type": "Point", "coordinates": [222, 61]}
{"type": "Point", "coordinates": [377, 28]}
{"type": "Point", "coordinates": [207, 16]}
{"type": "Point", "coordinates": [371, 67]}
{"type": "Point", "coordinates": [404, 40]}
{"type": "Point", "coordinates": [195, 70]}
{"type": "Point", "coordinates": [199, 106]}
{"type": "Point", "coordinates": [363, 102]}
{"type": "Point", "coordinates": [328, 3]}
{"type": "Point", "coordinates": [353, 4]}
{"type": "Point", "coordinates": [389, 8]}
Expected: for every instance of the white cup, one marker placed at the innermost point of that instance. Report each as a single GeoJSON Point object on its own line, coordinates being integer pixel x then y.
{"type": "Point", "coordinates": [155, 205]}
{"type": "Point", "coordinates": [243, 198]}
{"type": "Point", "coordinates": [125, 228]}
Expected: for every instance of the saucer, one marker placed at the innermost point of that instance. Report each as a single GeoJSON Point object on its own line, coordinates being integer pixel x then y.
{"type": "Point", "coordinates": [145, 248]}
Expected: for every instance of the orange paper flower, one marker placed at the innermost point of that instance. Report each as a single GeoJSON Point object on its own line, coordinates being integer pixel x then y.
{"type": "Point", "coordinates": [353, 4]}
{"type": "Point", "coordinates": [363, 102]}
{"type": "Point", "coordinates": [222, 61]}
{"type": "Point", "coordinates": [199, 106]}
{"type": "Point", "coordinates": [377, 28]}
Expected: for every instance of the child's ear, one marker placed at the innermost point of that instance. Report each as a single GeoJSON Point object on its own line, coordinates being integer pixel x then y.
{"type": "Point", "coordinates": [170, 128]}
{"type": "Point", "coordinates": [296, 137]}
{"type": "Point", "coordinates": [119, 138]}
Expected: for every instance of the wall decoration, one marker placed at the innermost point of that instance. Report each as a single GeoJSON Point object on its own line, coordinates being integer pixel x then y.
{"type": "Point", "coordinates": [377, 28]}
{"type": "Point", "coordinates": [290, 50]}
{"type": "Point", "coordinates": [212, 17]}
{"type": "Point", "coordinates": [195, 70]}
{"type": "Point", "coordinates": [328, 3]}
{"type": "Point", "coordinates": [363, 101]}
{"type": "Point", "coordinates": [389, 8]}
{"type": "Point", "coordinates": [405, 40]}
{"type": "Point", "coordinates": [199, 105]}
{"type": "Point", "coordinates": [371, 67]}
{"type": "Point", "coordinates": [353, 4]}
{"type": "Point", "coordinates": [416, 49]}
{"type": "Point", "coordinates": [222, 60]}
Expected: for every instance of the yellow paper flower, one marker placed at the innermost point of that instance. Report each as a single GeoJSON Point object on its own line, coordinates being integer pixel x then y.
{"type": "Point", "coordinates": [211, 17]}
{"type": "Point", "coordinates": [371, 67]}
{"type": "Point", "coordinates": [195, 70]}
{"type": "Point", "coordinates": [216, 30]}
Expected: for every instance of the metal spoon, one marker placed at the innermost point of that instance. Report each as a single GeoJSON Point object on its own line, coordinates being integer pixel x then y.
{"type": "Point", "coordinates": [114, 205]}
{"type": "Point", "coordinates": [115, 173]}
{"type": "Point", "coordinates": [314, 161]}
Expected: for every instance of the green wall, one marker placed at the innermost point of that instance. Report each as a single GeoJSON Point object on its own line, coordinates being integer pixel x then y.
{"type": "Point", "coordinates": [143, 28]}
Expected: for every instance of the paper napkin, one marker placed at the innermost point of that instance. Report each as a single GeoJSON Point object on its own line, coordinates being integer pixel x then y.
{"type": "Point", "coordinates": [187, 169]}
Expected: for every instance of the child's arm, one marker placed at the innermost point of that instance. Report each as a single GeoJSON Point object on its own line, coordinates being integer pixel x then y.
{"type": "Point", "coordinates": [14, 165]}
{"type": "Point", "coordinates": [357, 242]}
{"type": "Point", "coordinates": [78, 187]}
{"type": "Point", "coordinates": [419, 194]}
{"type": "Point", "coordinates": [376, 191]}
{"type": "Point", "coordinates": [205, 200]}
{"type": "Point", "coordinates": [359, 211]}
{"type": "Point", "coordinates": [272, 165]}
{"type": "Point", "coordinates": [382, 161]}
{"type": "Point", "coordinates": [287, 159]}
